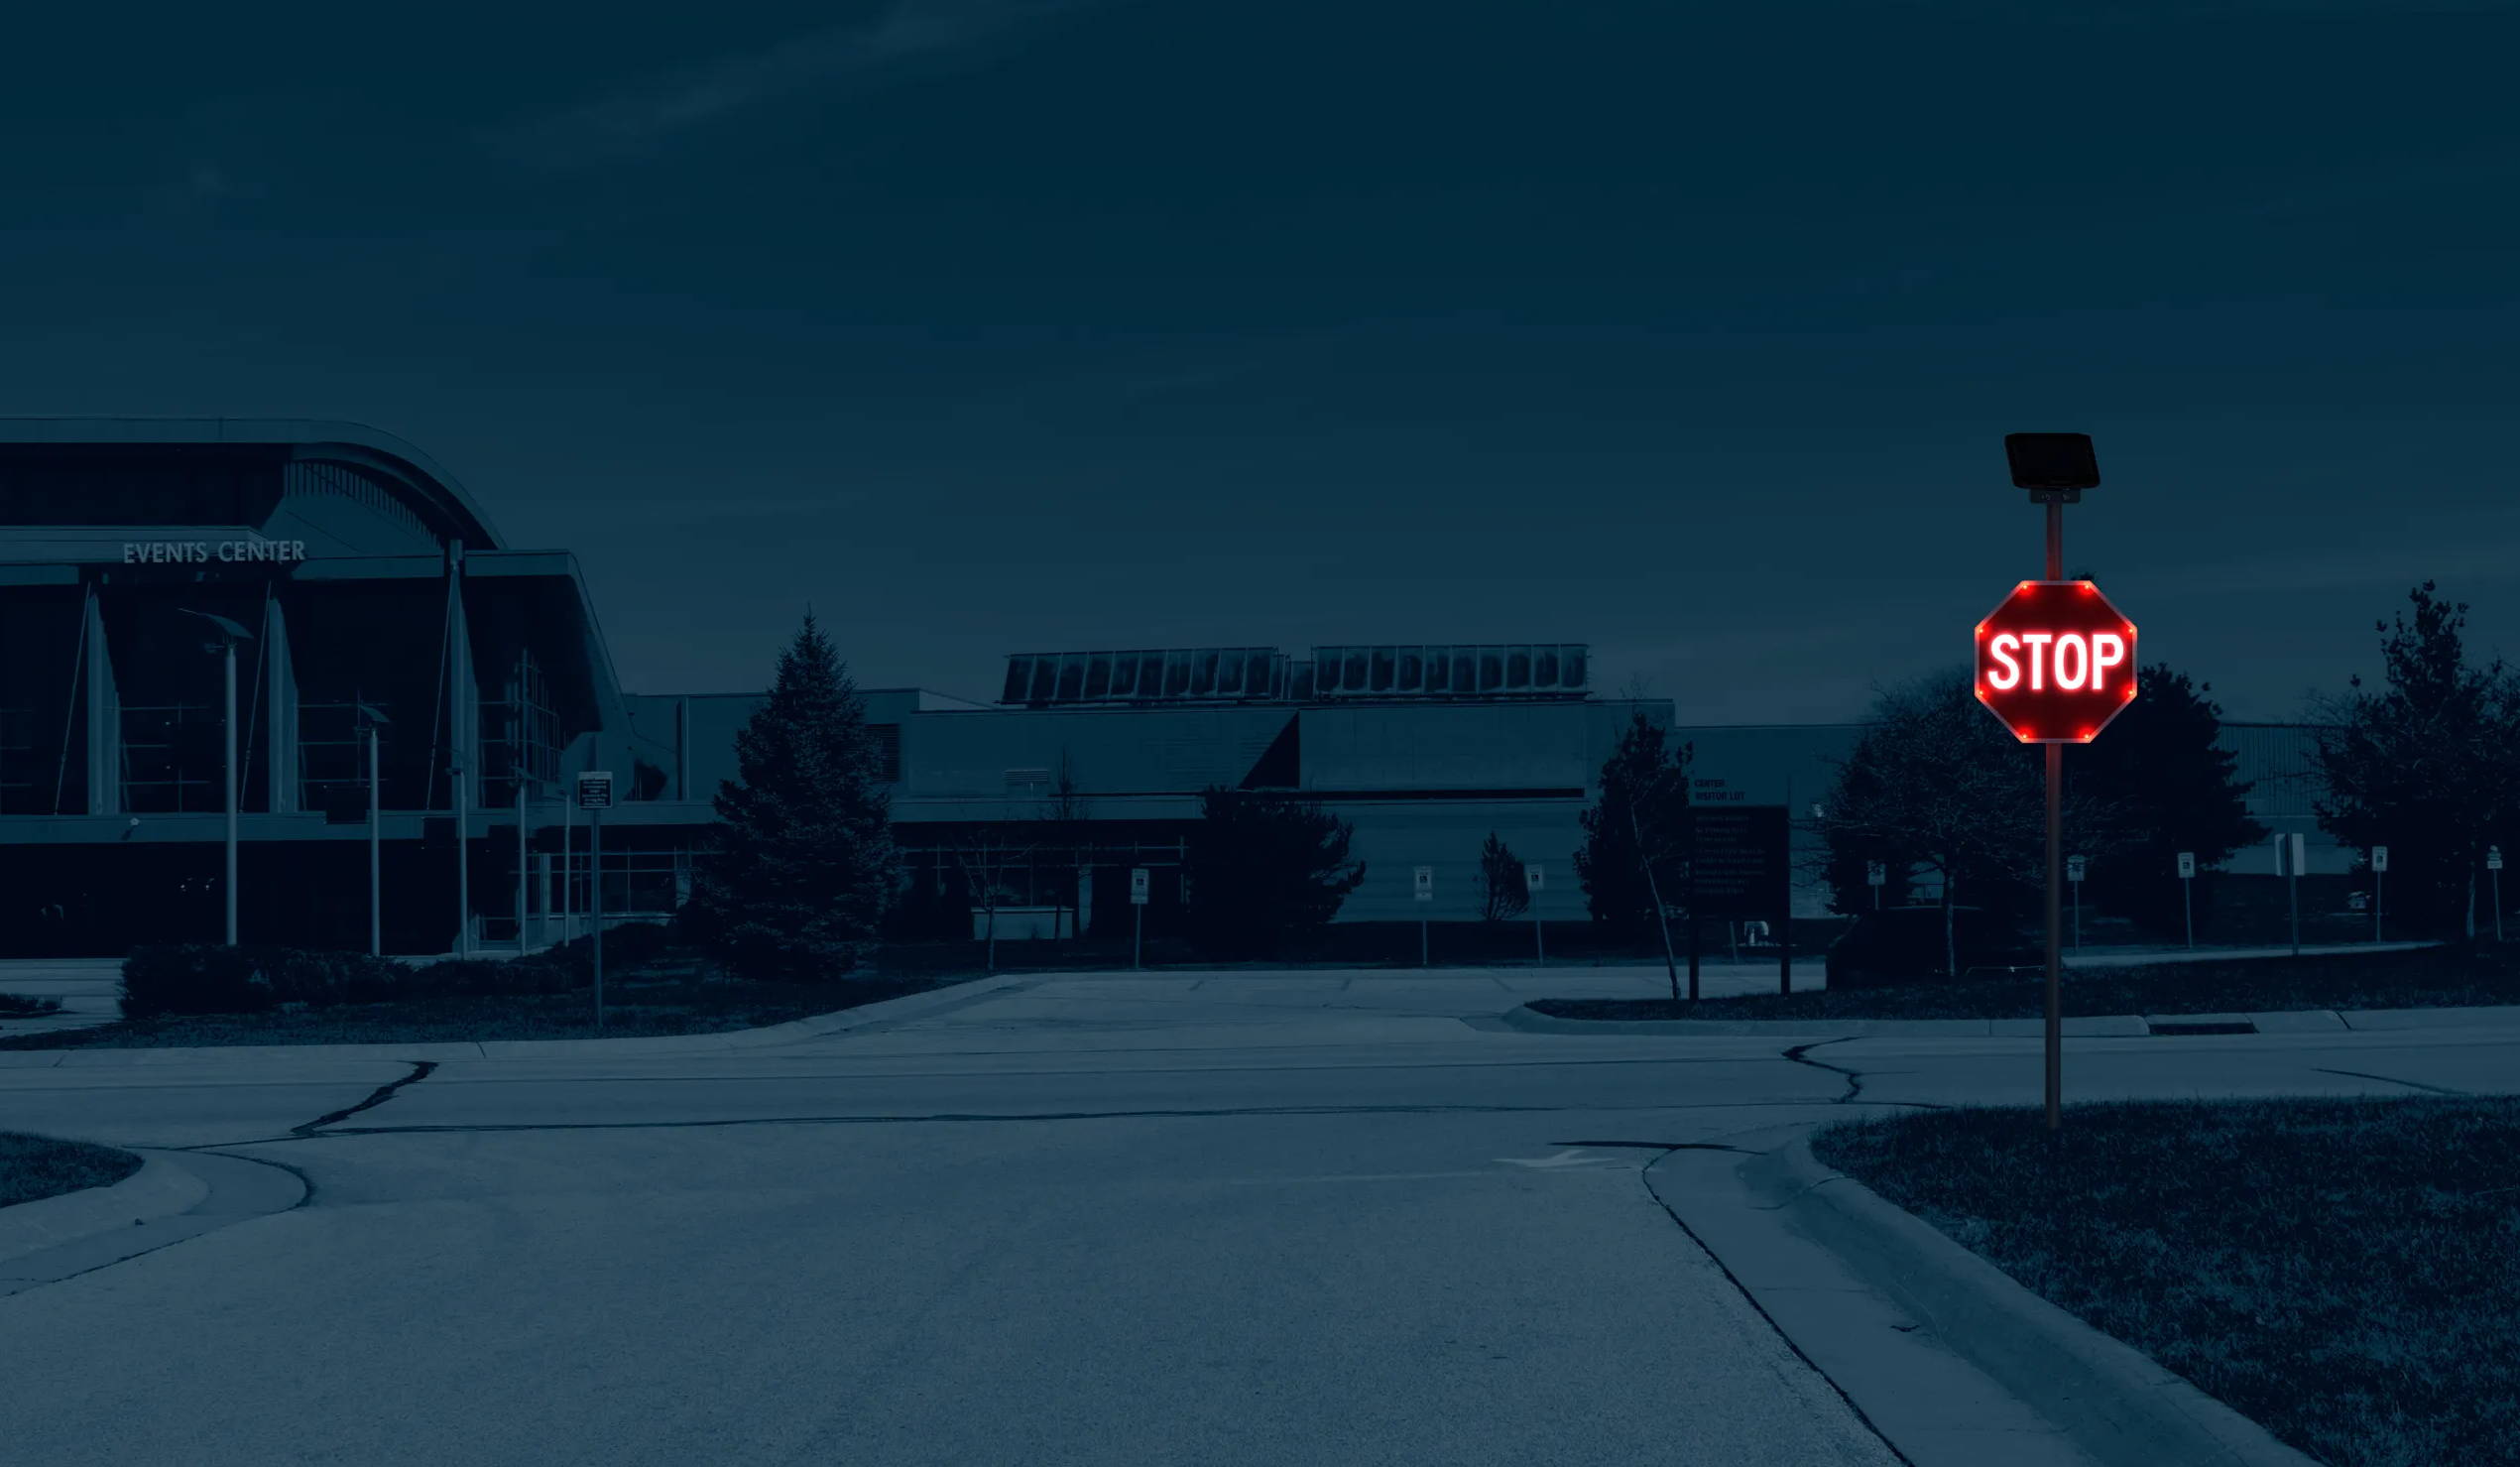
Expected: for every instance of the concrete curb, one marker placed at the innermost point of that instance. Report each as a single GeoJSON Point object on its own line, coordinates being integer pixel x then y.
{"type": "Point", "coordinates": [2116, 1025]}
{"type": "Point", "coordinates": [2116, 1403]}
{"type": "Point", "coordinates": [160, 1189]}
{"type": "Point", "coordinates": [795, 1030]}
{"type": "Point", "coordinates": [2122, 1024]}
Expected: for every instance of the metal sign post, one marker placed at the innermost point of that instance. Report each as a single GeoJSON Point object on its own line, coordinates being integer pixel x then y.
{"type": "Point", "coordinates": [2290, 849]}
{"type": "Point", "coordinates": [2493, 869]}
{"type": "Point", "coordinates": [376, 857]}
{"type": "Point", "coordinates": [2074, 867]}
{"type": "Point", "coordinates": [1425, 899]}
{"type": "Point", "coordinates": [2044, 657]}
{"type": "Point", "coordinates": [1137, 917]}
{"type": "Point", "coordinates": [1533, 879]}
{"type": "Point", "coordinates": [2187, 891]}
{"type": "Point", "coordinates": [2379, 885]}
{"type": "Point", "coordinates": [595, 796]}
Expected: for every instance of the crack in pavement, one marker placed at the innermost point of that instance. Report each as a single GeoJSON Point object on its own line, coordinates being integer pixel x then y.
{"type": "Point", "coordinates": [421, 1069]}
{"type": "Point", "coordinates": [1661, 1146]}
{"type": "Point", "coordinates": [1854, 1081]}
{"type": "Point", "coordinates": [2393, 1080]}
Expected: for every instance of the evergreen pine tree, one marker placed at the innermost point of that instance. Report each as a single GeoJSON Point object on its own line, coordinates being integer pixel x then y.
{"type": "Point", "coordinates": [1638, 821]}
{"type": "Point", "coordinates": [803, 866]}
{"type": "Point", "coordinates": [1503, 890]}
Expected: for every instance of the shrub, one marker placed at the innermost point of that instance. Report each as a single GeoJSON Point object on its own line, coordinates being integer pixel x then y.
{"type": "Point", "coordinates": [19, 1005]}
{"type": "Point", "coordinates": [195, 978]}
{"type": "Point", "coordinates": [320, 979]}
{"type": "Point", "coordinates": [211, 978]}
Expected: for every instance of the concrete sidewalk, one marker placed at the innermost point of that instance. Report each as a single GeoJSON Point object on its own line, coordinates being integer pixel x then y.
{"type": "Point", "coordinates": [1952, 1361]}
{"type": "Point", "coordinates": [2288, 1020]}
{"type": "Point", "coordinates": [863, 1015]}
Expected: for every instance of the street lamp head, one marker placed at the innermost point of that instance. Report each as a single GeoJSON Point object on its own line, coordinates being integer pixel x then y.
{"type": "Point", "coordinates": [371, 713]}
{"type": "Point", "coordinates": [233, 631]}
{"type": "Point", "coordinates": [2052, 465]}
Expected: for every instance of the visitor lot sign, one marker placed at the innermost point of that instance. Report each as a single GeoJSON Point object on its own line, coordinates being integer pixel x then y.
{"type": "Point", "coordinates": [2056, 661]}
{"type": "Point", "coordinates": [1738, 860]}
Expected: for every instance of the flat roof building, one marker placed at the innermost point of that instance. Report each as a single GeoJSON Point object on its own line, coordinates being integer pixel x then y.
{"type": "Point", "coordinates": [375, 597]}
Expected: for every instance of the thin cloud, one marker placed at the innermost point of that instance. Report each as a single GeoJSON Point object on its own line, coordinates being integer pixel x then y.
{"type": "Point", "coordinates": [838, 58]}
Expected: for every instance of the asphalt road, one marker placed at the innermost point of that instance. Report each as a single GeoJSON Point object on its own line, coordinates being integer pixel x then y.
{"type": "Point", "coordinates": [1096, 1220]}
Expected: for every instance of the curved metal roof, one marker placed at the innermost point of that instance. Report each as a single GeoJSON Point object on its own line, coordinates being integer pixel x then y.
{"type": "Point", "coordinates": [430, 490]}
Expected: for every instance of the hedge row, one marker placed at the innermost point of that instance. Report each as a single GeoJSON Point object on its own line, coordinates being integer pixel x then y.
{"type": "Point", "coordinates": [211, 978]}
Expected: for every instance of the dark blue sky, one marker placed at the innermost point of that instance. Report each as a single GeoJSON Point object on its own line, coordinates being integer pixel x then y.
{"type": "Point", "coordinates": [990, 327]}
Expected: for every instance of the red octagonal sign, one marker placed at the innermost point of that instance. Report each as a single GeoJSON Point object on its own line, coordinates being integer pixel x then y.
{"type": "Point", "coordinates": [2056, 661]}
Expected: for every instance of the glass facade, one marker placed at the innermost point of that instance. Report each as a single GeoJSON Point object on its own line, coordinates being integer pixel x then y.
{"type": "Point", "coordinates": [1508, 670]}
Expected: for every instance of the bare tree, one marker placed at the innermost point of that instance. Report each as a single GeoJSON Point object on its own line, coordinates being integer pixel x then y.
{"type": "Point", "coordinates": [984, 854]}
{"type": "Point", "coordinates": [1063, 820]}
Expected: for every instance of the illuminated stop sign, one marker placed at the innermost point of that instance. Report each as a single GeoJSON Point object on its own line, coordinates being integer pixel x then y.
{"type": "Point", "coordinates": [2056, 661]}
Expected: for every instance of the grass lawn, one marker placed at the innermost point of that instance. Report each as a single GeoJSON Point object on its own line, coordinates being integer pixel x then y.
{"type": "Point", "coordinates": [32, 1168]}
{"type": "Point", "coordinates": [2417, 978]}
{"type": "Point", "coordinates": [676, 1006]}
{"type": "Point", "coordinates": [2344, 1273]}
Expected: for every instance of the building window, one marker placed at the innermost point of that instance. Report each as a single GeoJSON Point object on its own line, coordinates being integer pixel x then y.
{"type": "Point", "coordinates": [18, 783]}
{"type": "Point", "coordinates": [637, 884]}
{"type": "Point", "coordinates": [332, 757]}
{"type": "Point", "coordinates": [888, 751]}
{"type": "Point", "coordinates": [172, 756]}
{"type": "Point", "coordinates": [520, 735]}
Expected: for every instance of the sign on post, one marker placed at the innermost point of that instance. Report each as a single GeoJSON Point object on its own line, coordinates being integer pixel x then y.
{"type": "Point", "coordinates": [1740, 870]}
{"type": "Point", "coordinates": [2188, 893]}
{"type": "Point", "coordinates": [1533, 879]}
{"type": "Point", "coordinates": [2056, 661]}
{"type": "Point", "coordinates": [595, 792]}
{"type": "Point", "coordinates": [2074, 867]}
{"type": "Point", "coordinates": [1137, 916]}
{"type": "Point", "coordinates": [2379, 888]}
{"type": "Point", "coordinates": [2494, 858]}
{"type": "Point", "coordinates": [1876, 874]}
{"type": "Point", "coordinates": [1426, 882]}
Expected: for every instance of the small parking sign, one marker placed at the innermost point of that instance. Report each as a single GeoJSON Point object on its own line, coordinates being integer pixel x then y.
{"type": "Point", "coordinates": [1532, 878]}
{"type": "Point", "coordinates": [1137, 886]}
{"type": "Point", "coordinates": [1426, 882]}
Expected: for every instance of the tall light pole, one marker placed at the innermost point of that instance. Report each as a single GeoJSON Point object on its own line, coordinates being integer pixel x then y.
{"type": "Point", "coordinates": [370, 717]}
{"type": "Point", "coordinates": [230, 633]}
